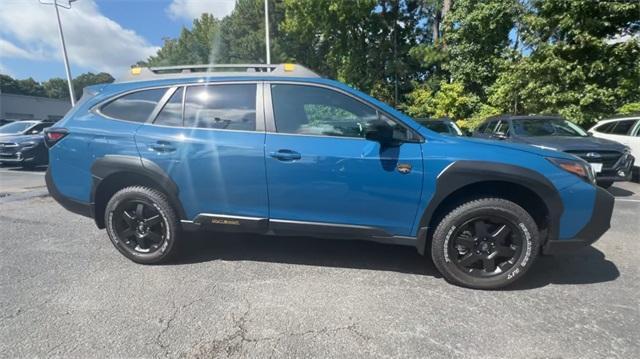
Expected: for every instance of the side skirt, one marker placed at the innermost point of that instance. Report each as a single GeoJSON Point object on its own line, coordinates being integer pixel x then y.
{"type": "Point", "coordinates": [281, 227]}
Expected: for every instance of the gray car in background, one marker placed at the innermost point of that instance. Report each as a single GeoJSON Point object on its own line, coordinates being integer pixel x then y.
{"type": "Point", "coordinates": [611, 161]}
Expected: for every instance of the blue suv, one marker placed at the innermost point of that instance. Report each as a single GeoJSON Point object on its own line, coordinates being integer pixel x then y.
{"type": "Point", "coordinates": [277, 150]}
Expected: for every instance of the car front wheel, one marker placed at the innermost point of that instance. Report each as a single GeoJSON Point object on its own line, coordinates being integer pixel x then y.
{"type": "Point", "coordinates": [142, 225]}
{"type": "Point", "coordinates": [485, 244]}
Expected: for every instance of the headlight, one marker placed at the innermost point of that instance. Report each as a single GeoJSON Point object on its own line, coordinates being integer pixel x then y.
{"type": "Point", "coordinates": [579, 168]}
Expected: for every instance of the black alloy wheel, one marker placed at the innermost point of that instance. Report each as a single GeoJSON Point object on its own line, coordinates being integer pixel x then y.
{"type": "Point", "coordinates": [139, 226]}
{"type": "Point", "coordinates": [142, 224]}
{"type": "Point", "coordinates": [485, 246]}
{"type": "Point", "coordinates": [487, 243]}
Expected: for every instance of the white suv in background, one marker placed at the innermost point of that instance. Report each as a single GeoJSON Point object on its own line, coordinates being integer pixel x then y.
{"type": "Point", "coordinates": [625, 130]}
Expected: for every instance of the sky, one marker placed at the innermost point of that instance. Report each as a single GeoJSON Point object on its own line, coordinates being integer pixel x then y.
{"type": "Point", "coordinates": [101, 35]}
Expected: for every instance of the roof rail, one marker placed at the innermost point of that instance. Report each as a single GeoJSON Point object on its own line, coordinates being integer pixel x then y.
{"type": "Point", "coordinates": [222, 70]}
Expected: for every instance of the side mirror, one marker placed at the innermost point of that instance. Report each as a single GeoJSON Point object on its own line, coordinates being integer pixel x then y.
{"type": "Point", "coordinates": [500, 135]}
{"type": "Point", "coordinates": [380, 131]}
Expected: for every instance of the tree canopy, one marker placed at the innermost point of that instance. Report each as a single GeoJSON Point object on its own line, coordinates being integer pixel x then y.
{"type": "Point", "coordinates": [53, 88]}
{"type": "Point", "coordinates": [464, 59]}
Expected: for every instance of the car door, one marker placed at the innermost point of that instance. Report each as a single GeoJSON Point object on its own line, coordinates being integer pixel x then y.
{"type": "Point", "coordinates": [324, 176]}
{"type": "Point", "coordinates": [210, 140]}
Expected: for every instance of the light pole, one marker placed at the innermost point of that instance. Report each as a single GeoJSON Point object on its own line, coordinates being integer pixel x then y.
{"type": "Point", "coordinates": [266, 30]}
{"type": "Point", "coordinates": [64, 48]}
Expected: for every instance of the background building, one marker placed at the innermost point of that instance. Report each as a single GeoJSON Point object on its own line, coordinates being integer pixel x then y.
{"type": "Point", "coordinates": [21, 107]}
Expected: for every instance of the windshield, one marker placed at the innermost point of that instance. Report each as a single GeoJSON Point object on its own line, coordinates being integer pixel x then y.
{"type": "Point", "coordinates": [443, 127]}
{"type": "Point", "coordinates": [15, 127]}
{"type": "Point", "coordinates": [547, 127]}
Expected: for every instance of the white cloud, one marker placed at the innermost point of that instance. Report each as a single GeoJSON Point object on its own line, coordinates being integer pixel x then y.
{"type": "Point", "coordinates": [8, 49]}
{"type": "Point", "coordinates": [191, 9]}
{"type": "Point", "coordinates": [93, 41]}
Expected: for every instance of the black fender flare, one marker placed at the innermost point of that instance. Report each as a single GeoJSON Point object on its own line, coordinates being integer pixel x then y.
{"type": "Point", "coordinates": [110, 165]}
{"type": "Point", "coordinates": [462, 173]}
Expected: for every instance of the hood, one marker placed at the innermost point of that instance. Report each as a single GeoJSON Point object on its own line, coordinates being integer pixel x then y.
{"type": "Point", "coordinates": [22, 138]}
{"type": "Point", "coordinates": [500, 144]}
{"type": "Point", "coordinates": [565, 143]}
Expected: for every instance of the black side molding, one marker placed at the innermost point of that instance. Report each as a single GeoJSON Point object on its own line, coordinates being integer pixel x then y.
{"type": "Point", "coordinates": [110, 165]}
{"type": "Point", "coordinates": [463, 173]}
{"type": "Point", "coordinates": [72, 205]}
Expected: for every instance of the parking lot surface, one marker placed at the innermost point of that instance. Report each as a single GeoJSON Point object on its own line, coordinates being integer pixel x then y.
{"type": "Point", "coordinates": [65, 291]}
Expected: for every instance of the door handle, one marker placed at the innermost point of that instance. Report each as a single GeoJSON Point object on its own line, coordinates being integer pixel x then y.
{"type": "Point", "coordinates": [285, 155]}
{"type": "Point", "coordinates": [162, 146]}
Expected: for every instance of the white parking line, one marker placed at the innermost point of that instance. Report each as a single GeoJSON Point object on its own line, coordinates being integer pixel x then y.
{"type": "Point", "coordinates": [627, 200]}
{"type": "Point", "coordinates": [23, 172]}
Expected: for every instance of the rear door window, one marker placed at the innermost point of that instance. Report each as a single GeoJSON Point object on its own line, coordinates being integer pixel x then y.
{"type": "Point", "coordinates": [605, 128]}
{"type": "Point", "coordinates": [135, 107]}
{"type": "Point", "coordinates": [623, 127]}
{"type": "Point", "coordinates": [222, 107]}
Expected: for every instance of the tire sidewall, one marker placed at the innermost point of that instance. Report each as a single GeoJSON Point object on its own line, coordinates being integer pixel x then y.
{"type": "Point", "coordinates": [147, 198]}
{"type": "Point", "coordinates": [519, 220]}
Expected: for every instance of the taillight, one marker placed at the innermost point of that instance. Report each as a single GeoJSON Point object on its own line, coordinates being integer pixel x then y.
{"type": "Point", "coordinates": [53, 135]}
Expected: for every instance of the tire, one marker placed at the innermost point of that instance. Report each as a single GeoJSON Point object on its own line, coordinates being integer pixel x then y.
{"type": "Point", "coordinates": [481, 232]}
{"type": "Point", "coordinates": [142, 225]}
{"type": "Point", "coordinates": [605, 184]}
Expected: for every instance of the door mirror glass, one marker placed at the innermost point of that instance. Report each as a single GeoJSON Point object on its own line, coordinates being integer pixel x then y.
{"type": "Point", "coordinates": [380, 131]}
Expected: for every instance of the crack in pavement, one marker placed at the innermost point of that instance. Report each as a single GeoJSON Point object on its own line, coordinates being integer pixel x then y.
{"type": "Point", "coordinates": [232, 344]}
{"type": "Point", "coordinates": [169, 321]}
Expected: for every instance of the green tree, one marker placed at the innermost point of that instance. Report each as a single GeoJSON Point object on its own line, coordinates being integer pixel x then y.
{"type": "Point", "coordinates": [363, 43]}
{"type": "Point", "coordinates": [30, 87]}
{"type": "Point", "coordinates": [56, 88]}
{"type": "Point", "coordinates": [572, 69]}
{"type": "Point", "coordinates": [88, 79]}
{"type": "Point", "coordinates": [8, 84]}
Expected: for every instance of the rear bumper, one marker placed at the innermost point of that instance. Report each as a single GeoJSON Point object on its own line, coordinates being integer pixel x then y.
{"type": "Point", "coordinates": [599, 223]}
{"type": "Point", "coordinates": [72, 205]}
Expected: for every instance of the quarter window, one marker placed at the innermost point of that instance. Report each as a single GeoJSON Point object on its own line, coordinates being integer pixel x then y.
{"type": "Point", "coordinates": [605, 128]}
{"type": "Point", "coordinates": [171, 114]}
{"type": "Point", "coordinates": [312, 110]}
{"type": "Point", "coordinates": [135, 107]}
{"type": "Point", "coordinates": [623, 127]}
{"type": "Point", "coordinates": [225, 107]}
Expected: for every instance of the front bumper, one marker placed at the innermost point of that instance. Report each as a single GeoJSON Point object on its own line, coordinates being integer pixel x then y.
{"type": "Point", "coordinates": [622, 171]}
{"type": "Point", "coordinates": [599, 223]}
{"type": "Point", "coordinates": [29, 154]}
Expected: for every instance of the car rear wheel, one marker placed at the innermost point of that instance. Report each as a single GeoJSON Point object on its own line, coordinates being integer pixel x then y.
{"type": "Point", "coordinates": [485, 244]}
{"type": "Point", "coordinates": [142, 225]}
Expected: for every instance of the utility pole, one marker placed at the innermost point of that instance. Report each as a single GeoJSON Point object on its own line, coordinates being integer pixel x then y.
{"type": "Point", "coordinates": [64, 47]}
{"type": "Point", "coordinates": [266, 30]}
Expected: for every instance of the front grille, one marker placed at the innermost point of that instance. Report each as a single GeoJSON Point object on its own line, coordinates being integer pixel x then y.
{"type": "Point", "coordinates": [607, 158]}
{"type": "Point", "coordinates": [8, 150]}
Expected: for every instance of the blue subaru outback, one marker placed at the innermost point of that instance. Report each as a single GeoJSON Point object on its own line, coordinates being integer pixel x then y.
{"type": "Point", "coordinates": [275, 149]}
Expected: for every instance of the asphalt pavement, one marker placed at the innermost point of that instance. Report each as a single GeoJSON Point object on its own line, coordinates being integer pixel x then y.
{"type": "Point", "coordinates": [66, 292]}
